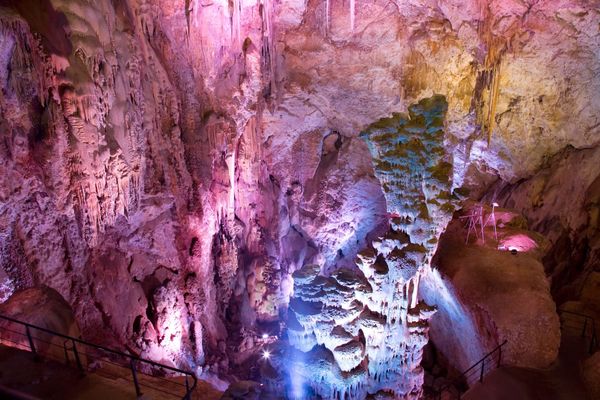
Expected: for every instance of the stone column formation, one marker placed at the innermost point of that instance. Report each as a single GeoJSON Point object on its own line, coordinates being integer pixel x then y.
{"type": "Point", "coordinates": [362, 331]}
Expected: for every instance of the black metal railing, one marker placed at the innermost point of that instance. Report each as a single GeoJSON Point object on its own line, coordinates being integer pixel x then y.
{"type": "Point", "coordinates": [576, 323]}
{"type": "Point", "coordinates": [475, 373]}
{"type": "Point", "coordinates": [40, 341]}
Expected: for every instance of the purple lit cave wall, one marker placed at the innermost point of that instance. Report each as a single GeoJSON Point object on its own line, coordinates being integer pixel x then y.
{"type": "Point", "coordinates": [280, 191]}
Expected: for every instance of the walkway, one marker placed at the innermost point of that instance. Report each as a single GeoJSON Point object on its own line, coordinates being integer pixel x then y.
{"type": "Point", "coordinates": [560, 382]}
{"type": "Point", "coordinates": [48, 379]}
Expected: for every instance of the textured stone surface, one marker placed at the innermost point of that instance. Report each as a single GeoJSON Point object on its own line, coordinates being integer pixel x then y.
{"type": "Point", "coordinates": [561, 201]}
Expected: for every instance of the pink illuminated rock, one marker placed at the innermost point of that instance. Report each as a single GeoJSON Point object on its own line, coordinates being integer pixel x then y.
{"type": "Point", "coordinates": [517, 242]}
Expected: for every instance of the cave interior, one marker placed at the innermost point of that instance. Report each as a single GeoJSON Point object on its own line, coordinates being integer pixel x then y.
{"type": "Point", "coordinates": [300, 199]}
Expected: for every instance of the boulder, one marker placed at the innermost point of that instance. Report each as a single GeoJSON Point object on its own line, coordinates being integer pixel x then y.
{"type": "Point", "coordinates": [487, 294]}
{"type": "Point", "coordinates": [591, 375]}
{"type": "Point", "coordinates": [41, 307]}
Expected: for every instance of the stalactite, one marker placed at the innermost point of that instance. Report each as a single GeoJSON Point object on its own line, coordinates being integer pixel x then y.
{"type": "Point", "coordinates": [352, 15]}
{"type": "Point", "coordinates": [236, 23]}
{"type": "Point", "coordinates": [488, 85]}
{"type": "Point", "coordinates": [327, 16]}
{"type": "Point", "coordinates": [268, 49]}
{"type": "Point", "coordinates": [188, 13]}
{"type": "Point", "coordinates": [493, 97]}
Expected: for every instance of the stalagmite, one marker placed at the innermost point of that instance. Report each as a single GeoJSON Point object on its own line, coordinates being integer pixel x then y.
{"type": "Point", "coordinates": [380, 303]}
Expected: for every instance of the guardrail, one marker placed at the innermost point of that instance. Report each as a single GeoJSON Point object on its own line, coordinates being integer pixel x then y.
{"type": "Point", "coordinates": [475, 373]}
{"type": "Point", "coordinates": [582, 324]}
{"type": "Point", "coordinates": [81, 350]}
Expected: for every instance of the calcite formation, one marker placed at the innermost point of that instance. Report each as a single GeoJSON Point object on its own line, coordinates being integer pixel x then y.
{"type": "Point", "coordinates": [364, 329]}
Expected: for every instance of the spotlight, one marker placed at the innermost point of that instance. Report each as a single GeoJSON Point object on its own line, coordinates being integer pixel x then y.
{"type": "Point", "coordinates": [266, 354]}
{"type": "Point", "coordinates": [265, 335]}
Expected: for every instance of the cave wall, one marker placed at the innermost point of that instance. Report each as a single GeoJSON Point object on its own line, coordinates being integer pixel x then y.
{"type": "Point", "coordinates": [561, 202]}
{"type": "Point", "coordinates": [167, 165]}
{"type": "Point", "coordinates": [135, 182]}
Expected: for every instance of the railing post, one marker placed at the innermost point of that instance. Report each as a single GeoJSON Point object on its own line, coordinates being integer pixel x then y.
{"type": "Point", "coordinates": [482, 368]}
{"type": "Point", "coordinates": [187, 390]}
{"type": "Point", "coordinates": [66, 352]}
{"type": "Point", "coordinates": [31, 345]}
{"type": "Point", "coordinates": [77, 359]}
{"type": "Point", "coordinates": [138, 391]}
{"type": "Point", "coordinates": [499, 356]}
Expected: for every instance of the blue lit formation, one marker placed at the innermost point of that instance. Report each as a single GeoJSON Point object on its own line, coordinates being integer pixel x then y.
{"type": "Point", "coordinates": [361, 331]}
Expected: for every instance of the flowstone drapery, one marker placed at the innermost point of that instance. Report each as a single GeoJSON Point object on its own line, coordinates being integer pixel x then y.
{"type": "Point", "coordinates": [362, 331]}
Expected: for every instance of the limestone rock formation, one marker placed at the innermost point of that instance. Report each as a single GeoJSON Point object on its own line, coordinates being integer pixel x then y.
{"type": "Point", "coordinates": [166, 166]}
{"type": "Point", "coordinates": [561, 201]}
{"type": "Point", "coordinates": [369, 324]}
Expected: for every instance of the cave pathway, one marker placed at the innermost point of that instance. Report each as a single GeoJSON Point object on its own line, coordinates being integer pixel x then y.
{"type": "Point", "coordinates": [562, 381]}
{"type": "Point", "coordinates": [51, 380]}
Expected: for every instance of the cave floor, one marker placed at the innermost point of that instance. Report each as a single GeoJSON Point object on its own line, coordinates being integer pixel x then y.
{"type": "Point", "coordinates": [49, 379]}
{"type": "Point", "coordinates": [560, 382]}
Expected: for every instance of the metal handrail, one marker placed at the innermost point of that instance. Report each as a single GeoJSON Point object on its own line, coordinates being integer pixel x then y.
{"type": "Point", "coordinates": [464, 376]}
{"type": "Point", "coordinates": [587, 321]}
{"type": "Point", "coordinates": [132, 359]}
